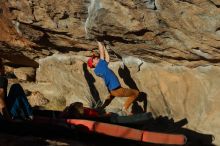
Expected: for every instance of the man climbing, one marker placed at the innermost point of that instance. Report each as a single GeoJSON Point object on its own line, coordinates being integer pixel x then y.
{"type": "Point", "coordinates": [101, 69]}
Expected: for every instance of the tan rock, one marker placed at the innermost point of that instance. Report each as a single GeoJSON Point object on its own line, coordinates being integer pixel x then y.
{"type": "Point", "coordinates": [172, 34]}
{"type": "Point", "coordinates": [25, 73]}
{"type": "Point", "coordinates": [174, 91]}
{"type": "Point", "coordinates": [37, 99]}
{"type": "Point", "coordinates": [179, 32]}
{"type": "Point", "coordinates": [11, 41]}
{"type": "Point", "coordinates": [9, 69]}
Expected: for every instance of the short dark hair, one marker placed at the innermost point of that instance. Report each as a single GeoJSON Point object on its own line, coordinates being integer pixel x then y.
{"type": "Point", "coordinates": [73, 110]}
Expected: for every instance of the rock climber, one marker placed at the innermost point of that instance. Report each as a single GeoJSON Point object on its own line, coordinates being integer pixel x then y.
{"type": "Point", "coordinates": [101, 69]}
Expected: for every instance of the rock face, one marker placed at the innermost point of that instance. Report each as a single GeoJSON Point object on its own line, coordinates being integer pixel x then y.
{"type": "Point", "coordinates": [51, 23]}
{"type": "Point", "coordinates": [175, 31]}
{"type": "Point", "coordinates": [37, 99]}
{"type": "Point", "coordinates": [173, 91]}
{"type": "Point", "coordinates": [177, 43]}
{"type": "Point", "coordinates": [11, 43]}
{"type": "Point", "coordinates": [25, 73]}
{"type": "Point", "coordinates": [183, 32]}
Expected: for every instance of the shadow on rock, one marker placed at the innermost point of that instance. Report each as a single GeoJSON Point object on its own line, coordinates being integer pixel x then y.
{"type": "Point", "coordinates": [90, 81]}
{"type": "Point", "coordinates": [53, 134]}
{"type": "Point", "coordinates": [167, 125]}
{"type": "Point", "coordinates": [125, 74]}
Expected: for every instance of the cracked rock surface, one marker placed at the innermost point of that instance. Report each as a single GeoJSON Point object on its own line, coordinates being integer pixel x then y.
{"type": "Point", "coordinates": [181, 32]}
{"type": "Point", "coordinates": [171, 49]}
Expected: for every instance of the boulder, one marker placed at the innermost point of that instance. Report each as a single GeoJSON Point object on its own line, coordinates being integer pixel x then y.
{"type": "Point", "coordinates": [170, 49]}
{"type": "Point", "coordinates": [25, 73]}
{"type": "Point", "coordinates": [174, 91]}
{"type": "Point", "coordinates": [37, 99]}
{"type": "Point", "coordinates": [179, 32]}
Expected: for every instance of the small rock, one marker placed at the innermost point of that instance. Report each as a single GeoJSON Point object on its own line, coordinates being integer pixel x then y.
{"type": "Point", "coordinates": [9, 69]}
{"type": "Point", "coordinates": [25, 73]}
{"type": "Point", "coordinates": [37, 99]}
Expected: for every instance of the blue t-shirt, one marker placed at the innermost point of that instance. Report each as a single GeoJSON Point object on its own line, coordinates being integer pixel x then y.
{"type": "Point", "coordinates": [102, 70]}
